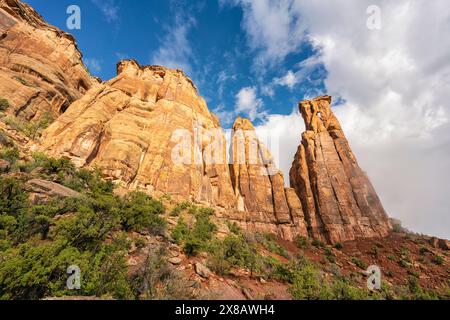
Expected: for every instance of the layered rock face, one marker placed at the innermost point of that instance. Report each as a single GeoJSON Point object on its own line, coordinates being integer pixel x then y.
{"type": "Point", "coordinates": [264, 204]}
{"type": "Point", "coordinates": [41, 71]}
{"type": "Point", "coordinates": [147, 129]}
{"type": "Point", "coordinates": [338, 199]}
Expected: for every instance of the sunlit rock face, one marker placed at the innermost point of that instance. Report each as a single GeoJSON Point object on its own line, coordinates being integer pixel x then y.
{"type": "Point", "coordinates": [147, 129]}
{"type": "Point", "coordinates": [338, 199]}
{"type": "Point", "coordinates": [41, 71]}
{"type": "Point", "coordinates": [264, 205]}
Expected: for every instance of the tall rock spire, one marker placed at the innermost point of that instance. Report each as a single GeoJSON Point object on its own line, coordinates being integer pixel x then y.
{"type": "Point", "coordinates": [264, 204]}
{"type": "Point", "coordinates": [338, 198]}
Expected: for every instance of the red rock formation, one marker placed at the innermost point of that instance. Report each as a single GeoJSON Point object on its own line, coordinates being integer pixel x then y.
{"type": "Point", "coordinates": [259, 187]}
{"type": "Point", "coordinates": [147, 129]}
{"type": "Point", "coordinates": [338, 199]}
{"type": "Point", "coordinates": [41, 72]}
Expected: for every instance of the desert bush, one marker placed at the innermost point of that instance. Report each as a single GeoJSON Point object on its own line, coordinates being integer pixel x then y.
{"type": "Point", "coordinates": [233, 251]}
{"type": "Point", "coordinates": [269, 242]}
{"type": "Point", "coordinates": [301, 242]}
{"type": "Point", "coordinates": [359, 263]}
{"type": "Point", "coordinates": [438, 260]}
{"type": "Point", "coordinates": [5, 140]}
{"type": "Point", "coordinates": [29, 129]}
{"type": "Point", "coordinates": [317, 243]}
{"type": "Point", "coordinates": [10, 154]}
{"type": "Point", "coordinates": [234, 228]}
{"type": "Point", "coordinates": [307, 284]}
{"type": "Point", "coordinates": [338, 246]}
{"type": "Point", "coordinates": [157, 280]}
{"type": "Point", "coordinates": [139, 212]}
{"type": "Point", "coordinates": [197, 237]}
{"type": "Point", "coordinates": [4, 104]}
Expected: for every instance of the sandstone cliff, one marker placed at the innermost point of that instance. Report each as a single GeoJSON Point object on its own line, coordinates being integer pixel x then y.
{"type": "Point", "coordinates": [338, 199]}
{"type": "Point", "coordinates": [147, 129]}
{"type": "Point", "coordinates": [41, 72]}
{"type": "Point", "coordinates": [264, 204]}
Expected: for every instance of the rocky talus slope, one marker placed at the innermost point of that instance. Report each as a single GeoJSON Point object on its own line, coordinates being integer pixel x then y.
{"type": "Point", "coordinates": [339, 201]}
{"type": "Point", "coordinates": [41, 71]}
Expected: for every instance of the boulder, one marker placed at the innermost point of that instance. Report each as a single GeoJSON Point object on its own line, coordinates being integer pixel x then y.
{"type": "Point", "coordinates": [42, 191]}
{"type": "Point", "coordinates": [202, 271]}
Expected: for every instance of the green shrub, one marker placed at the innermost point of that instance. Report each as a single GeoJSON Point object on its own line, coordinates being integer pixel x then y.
{"type": "Point", "coordinates": [234, 228]}
{"type": "Point", "coordinates": [29, 129]}
{"type": "Point", "coordinates": [268, 240]}
{"type": "Point", "coordinates": [140, 213]}
{"type": "Point", "coordinates": [301, 242]}
{"type": "Point", "coordinates": [341, 289]}
{"type": "Point", "coordinates": [308, 284]}
{"type": "Point", "coordinates": [231, 252]}
{"type": "Point", "coordinates": [10, 154]}
{"type": "Point", "coordinates": [329, 255]}
{"type": "Point", "coordinates": [438, 260]}
{"type": "Point", "coordinates": [359, 263]}
{"type": "Point", "coordinates": [5, 140]}
{"type": "Point", "coordinates": [197, 237]}
{"type": "Point", "coordinates": [4, 104]}
{"type": "Point", "coordinates": [404, 263]}
{"type": "Point", "coordinates": [36, 271]}
{"type": "Point", "coordinates": [317, 243]}
{"type": "Point", "coordinates": [157, 280]}
{"type": "Point", "coordinates": [338, 246]}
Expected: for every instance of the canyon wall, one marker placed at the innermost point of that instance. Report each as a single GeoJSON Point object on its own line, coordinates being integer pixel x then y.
{"type": "Point", "coordinates": [148, 129]}
{"type": "Point", "coordinates": [41, 71]}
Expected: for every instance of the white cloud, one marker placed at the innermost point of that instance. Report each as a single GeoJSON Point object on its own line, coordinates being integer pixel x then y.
{"type": "Point", "coordinates": [395, 83]}
{"type": "Point", "coordinates": [282, 135]}
{"type": "Point", "coordinates": [109, 8]}
{"type": "Point", "coordinates": [289, 80]}
{"type": "Point", "coordinates": [94, 65]}
{"type": "Point", "coordinates": [249, 104]}
{"type": "Point", "coordinates": [175, 50]}
{"type": "Point", "coordinates": [273, 29]}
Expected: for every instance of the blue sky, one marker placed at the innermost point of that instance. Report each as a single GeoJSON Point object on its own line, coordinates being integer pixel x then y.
{"type": "Point", "coordinates": [205, 38]}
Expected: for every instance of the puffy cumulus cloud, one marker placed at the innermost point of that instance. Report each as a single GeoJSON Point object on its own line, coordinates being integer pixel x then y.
{"type": "Point", "coordinates": [303, 75]}
{"type": "Point", "coordinates": [273, 29]}
{"type": "Point", "coordinates": [282, 135]}
{"type": "Point", "coordinates": [248, 104]}
{"type": "Point", "coordinates": [393, 84]}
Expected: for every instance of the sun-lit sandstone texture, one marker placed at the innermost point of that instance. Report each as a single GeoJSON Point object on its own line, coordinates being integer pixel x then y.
{"type": "Point", "coordinates": [41, 71]}
{"type": "Point", "coordinates": [264, 204]}
{"type": "Point", "coordinates": [130, 128]}
{"type": "Point", "coordinates": [338, 199]}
